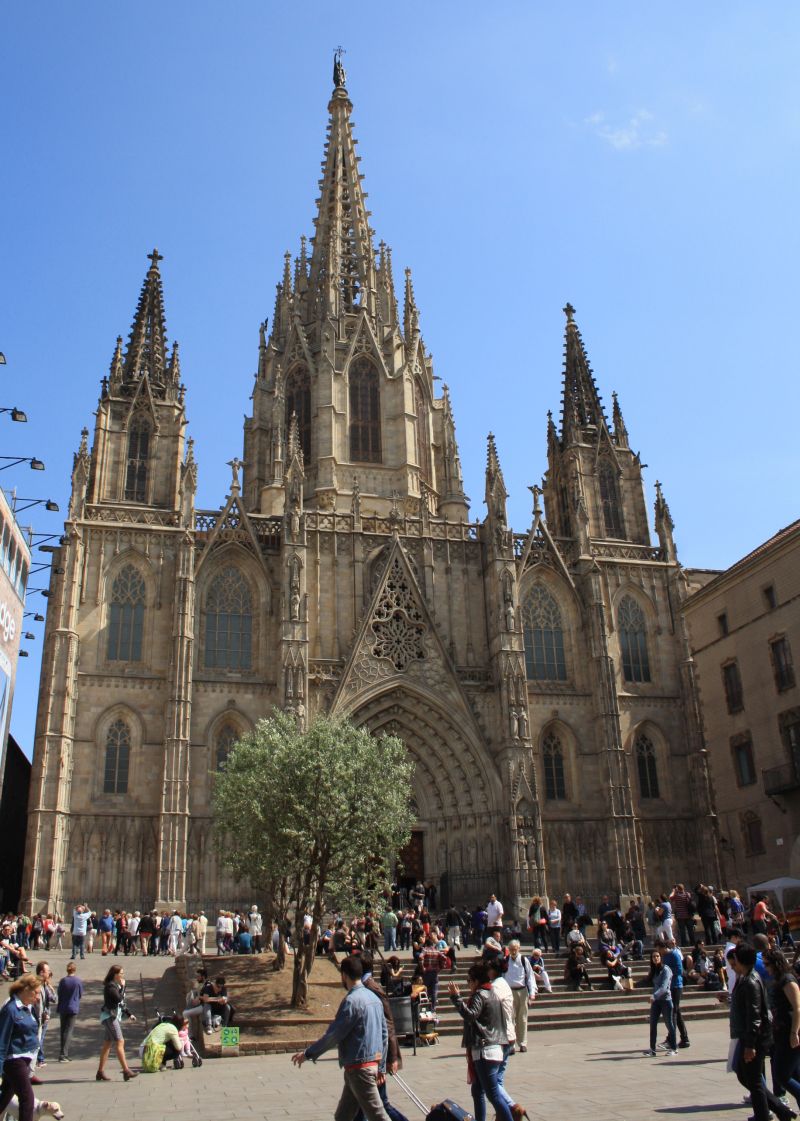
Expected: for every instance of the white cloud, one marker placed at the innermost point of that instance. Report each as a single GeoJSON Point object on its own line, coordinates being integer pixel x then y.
{"type": "Point", "coordinates": [639, 131]}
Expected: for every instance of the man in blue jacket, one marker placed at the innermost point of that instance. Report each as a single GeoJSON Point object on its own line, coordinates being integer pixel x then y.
{"type": "Point", "coordinates": [360, 1034]}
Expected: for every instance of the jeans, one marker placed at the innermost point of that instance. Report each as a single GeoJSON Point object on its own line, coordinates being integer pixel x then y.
{"type": "Point", "coordinates": [659, 1008]}
{"type": "Point", "coordinates": [67, 1020]}
{"type": "Point", "coordinates": [786, 1068]}
{"type": "Point", "coordinates": [677, 1015]}
{"type": "Point", "coordinates": [508, 1050]}
{"type": "Point", "coordinates": [485, 1086]}
{"type": "Point", "coordinates": [686, 931]}
{"type": "Point", "coordinates": [390, 938]}
{"type": "Point", "coordinates": [555, 937]}
{"type": "Point", "coordinates": [43, 1033]}
{"type": "Point", "coordinates": [211, 1009]}
{"type": "Point", "coordinates": [751, 1076]}
{"type": "Point", "coordinates": [454, 936]}
{"type": "Point", "coordinates": [17, 1080]}
{"type": "Point", "coordinates": [77, 944]}
{"type": "Point", "coordinates": [431, 981]}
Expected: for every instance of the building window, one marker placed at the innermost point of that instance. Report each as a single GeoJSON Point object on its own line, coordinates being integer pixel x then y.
{"type": "Point", "coordinates": [118, 750]}
{"type": "Point", "coordinates": [743, 763]}
{"type": "Point", "coordinates": [229, 622]}
{"type": "Point", "coordinates": [138, 458]}
{"type": "Point", "coordinates": [782, 666]}
{"type": "Point", "coordinates": [555, 786]}
{"type": "Point", "coordinates": [647, 766]}
{"type": "Point", "coordinates": [732, 682]}
{"type": "Point", "coordinates": [544, 637]}
{"type": "Point", "coordinates": [422, 433]}
{"type": "Point", "coordinates": [365, 413]}
{"type": "Point", "coordinates": [751, 832]}
{"type": "Point", "coordinates": [722, 620]}
{"type": "Point", "coordinates": [126, 616]}
{"type": "Point", "coordinates": [789, 726]}
{"type": "Point", "coordinates": [770, 598]}
{"type": "Point", "coordinates": [608, 478]}
{"type": "Point", "coordinates": [227, 736]}
{"type": "Point", "coordinates": [298, 403]}
{"type": "Point", "coordinates": [633, 641]}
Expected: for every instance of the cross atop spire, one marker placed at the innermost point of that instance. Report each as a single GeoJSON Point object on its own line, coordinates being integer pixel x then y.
{"type": "Point", "coordinates": [342, 276]}
{"type": "Point", "coordinates": [582, 409]}
{"type": "Point", "coordinates": [147, 343]}
{"type": "Point", "coordinates": [339, 74]}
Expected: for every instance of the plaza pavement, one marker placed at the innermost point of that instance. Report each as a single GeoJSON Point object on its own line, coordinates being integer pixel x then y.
{"type": "Point", "coordinates": [598, 1074]}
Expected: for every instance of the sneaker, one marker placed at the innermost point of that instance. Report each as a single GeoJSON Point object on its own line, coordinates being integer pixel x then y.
{"type": "Point", "coordinates": [651, 1052]}
{"type": "Point", "coordinates": [63, 1059]}
{"type": "Point", "coordinates": [684, 1043]}
{"type": "Point", "coordinates": [41, 1064]}
{"type": "Point", "coordinates": [669, 1053]}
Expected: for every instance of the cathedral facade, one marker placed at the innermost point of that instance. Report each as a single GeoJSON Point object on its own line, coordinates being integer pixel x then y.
{"type": "Point", "coordinates": [541, 680]}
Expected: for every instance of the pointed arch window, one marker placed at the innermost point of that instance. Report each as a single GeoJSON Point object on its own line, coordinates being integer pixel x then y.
{"type": "Point", "coordinates": [555, 786]}
{"type": "Point", "coordinates": [608, 478]}
{"type": "Point", "coordinates": [139, 439]}
{"type": "Point", "coordinates": [422, 430]}
{"type": "Point", "coordinates": [365, 413]}
{"type": "Point", "coordinates": [647, 766]}
{"type": "Point", "coordinates": [117, 758]}
{"type": "Point", "coordinates": [633, 641]}
{"type": "Point", "coordinates": [752, 833]}
{"type": "Point", "coordinates": [229, 622]}
{"type": "Point", "coordinates": [298, 403]}
{"type": "Point", "coordinates": [544, 636]}
{"type": "Point", "coordinates": [227, 736]}
{"type": "Point", "coordinates": [126, 616]}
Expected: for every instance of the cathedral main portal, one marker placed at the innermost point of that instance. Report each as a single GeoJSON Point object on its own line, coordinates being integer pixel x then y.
{"type": "Point", "coordinates": [458, 839]}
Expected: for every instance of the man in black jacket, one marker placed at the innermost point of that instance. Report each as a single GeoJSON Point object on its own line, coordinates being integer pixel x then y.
{"type": "Point", "coordinates": [751, 1028]}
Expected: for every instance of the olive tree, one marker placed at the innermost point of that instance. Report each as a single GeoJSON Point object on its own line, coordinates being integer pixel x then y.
{"type": "Point", "coordinates": [313, 818]}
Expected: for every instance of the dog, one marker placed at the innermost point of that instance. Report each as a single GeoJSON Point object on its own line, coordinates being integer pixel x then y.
{"type": "Point", "coordinates": [40, 1109]}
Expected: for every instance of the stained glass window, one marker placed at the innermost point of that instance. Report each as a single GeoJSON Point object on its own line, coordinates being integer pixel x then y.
{"type": "Point", "coordinates": [544, 636]}
{"type": "Point", "coordinates": [138, 458]}
{"type": "Point", "coordinates": [633, 641]}
{"type": "Point", "coordinates": [365, 413]}
{"type": "Point", "coordinates": [610, 500]}
{"type": "Point", "coordinates": [126, 616]}
{"type": "Point", "coordinates": [118, 750]}
{"type": "Point", "coordinates": [229, 622]}
{"type": "Point", "coordinates": [227, 736]}
{"type": "Point", "coordinates": [555, 787]}
{"type": "Point", "coordinates": [647, 765]}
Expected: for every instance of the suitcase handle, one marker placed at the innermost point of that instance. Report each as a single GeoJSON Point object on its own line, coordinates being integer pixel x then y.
{"type": "Point", "coordinates": [410, 1094]}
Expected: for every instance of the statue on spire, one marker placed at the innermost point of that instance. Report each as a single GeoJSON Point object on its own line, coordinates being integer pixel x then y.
{"type": "Point", "coordinates": [339, 75]}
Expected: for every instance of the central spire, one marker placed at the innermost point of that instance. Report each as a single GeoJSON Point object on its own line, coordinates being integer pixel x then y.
{"type": "Point", "coordinates": [342, 278]}
{"type": "Point", "coordinates": [582, 410]}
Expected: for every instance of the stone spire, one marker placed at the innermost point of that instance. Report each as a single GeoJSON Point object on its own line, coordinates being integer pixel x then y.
{"type": "Point", "coordinates": [342, 276]}
{"type": "Point", "coordinates": [496, 493]}
{"type": "Point", "coordinates": [664, 526]}
{"type": "Point", "coordinates": [620, 431]}
{"type": "Point", "coordinates": [582, 412]}
{"type": "Point", "coordinates": [147, 343]}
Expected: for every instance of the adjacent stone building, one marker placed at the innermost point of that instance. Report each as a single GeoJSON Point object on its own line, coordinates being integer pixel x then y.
{"type": "Point", "coordinates": [744, 626]}
{"type": "Point", "coordinates": [540, 679]}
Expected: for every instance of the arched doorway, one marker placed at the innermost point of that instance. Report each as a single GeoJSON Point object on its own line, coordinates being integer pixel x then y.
{"type": "Point", "coordinates": [459, 839]}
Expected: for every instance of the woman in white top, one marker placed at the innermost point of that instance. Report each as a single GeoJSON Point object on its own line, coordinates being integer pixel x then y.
{"type": "Point", "coordinates": [554, 926]}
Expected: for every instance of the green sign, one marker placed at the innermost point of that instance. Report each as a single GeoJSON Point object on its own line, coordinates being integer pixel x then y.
{"type": "Point", "coordinates": [229, 1037]}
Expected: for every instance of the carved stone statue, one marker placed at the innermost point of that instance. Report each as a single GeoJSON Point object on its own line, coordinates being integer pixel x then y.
{"type": "Point", "coordinates": [514, 721]}
{"type": "Point", "coordinates": [523, 725]}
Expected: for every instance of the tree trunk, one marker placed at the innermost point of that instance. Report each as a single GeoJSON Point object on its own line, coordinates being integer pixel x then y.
{"type": "Point", "coordinates": [303, 964]}
{"type": "Point", "coordinates": [280, 957]}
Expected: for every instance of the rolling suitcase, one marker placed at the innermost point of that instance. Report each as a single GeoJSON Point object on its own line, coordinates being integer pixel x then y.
{"type": "Point", "coordinates": [446, 1110]}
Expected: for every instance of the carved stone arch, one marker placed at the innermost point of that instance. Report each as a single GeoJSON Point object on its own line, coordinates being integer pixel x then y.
{"type": "Point", "coordinates": [140, 561]}
{"type": "Point", "coordinates": [365, 409]}
{"type": "Point", "coordinates": [628, 588]}
{"type": "Point", "coordinates": [569, 608]}
{"type": "Point", "coordinates": [222, 726]}
{"type": "Point", "coordinates": [297, 397]}
{"type": "Point", "coordinates": [375, 566]}
{"type": "Point", "coordinates": [232, 555]}
{"type": "Point", "coordinates": [620, 600]}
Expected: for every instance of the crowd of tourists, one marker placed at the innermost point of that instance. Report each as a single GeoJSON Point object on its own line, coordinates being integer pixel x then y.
{"type": "Point", "coordinates": [756, 971]}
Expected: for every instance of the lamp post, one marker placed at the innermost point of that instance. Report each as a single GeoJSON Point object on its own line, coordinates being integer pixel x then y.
{"type": "Point", "coordinates": [48, 503]}
{"type": "Point", "coordinates": [13, 460]}
{"type": "Point", "coordinates": [16, 414]}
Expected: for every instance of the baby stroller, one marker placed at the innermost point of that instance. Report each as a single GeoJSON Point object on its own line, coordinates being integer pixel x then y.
{"type": "Point", "coordinates": [189, 1050]}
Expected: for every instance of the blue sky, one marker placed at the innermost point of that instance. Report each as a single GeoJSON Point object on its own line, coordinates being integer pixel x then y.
{"type": "Point", "coordinates": [640, 162]}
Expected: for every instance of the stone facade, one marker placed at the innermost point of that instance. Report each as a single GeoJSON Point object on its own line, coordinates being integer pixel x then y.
{"type": "Point", "coordinates": [540, 679]}
{"type": "Point", "coordinates": [743, 626]}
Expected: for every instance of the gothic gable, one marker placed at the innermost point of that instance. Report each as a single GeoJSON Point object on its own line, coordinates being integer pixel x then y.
{"type": "Point", "coordinates": [364, 342]}
{"type": "Point", "coordinates": [232, 525]}
{"type": "Point", "coordinates": [398, 642]}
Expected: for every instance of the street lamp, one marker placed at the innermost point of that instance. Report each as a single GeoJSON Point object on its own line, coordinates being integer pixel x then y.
{"type": "Point", "coordinates": [29, 635]}
{"type": "Point", "coordinates": [48, 504]}
{"type": "Point", "coordinates": [36, 464]}
{"type": "Point", "coordinates": [37, 618]}
{"type": "Point", "coordinates": [17, 414]}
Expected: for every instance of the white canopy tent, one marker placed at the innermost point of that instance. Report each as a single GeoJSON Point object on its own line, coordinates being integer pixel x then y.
{"type": "Point", "coordinates": [777, 887]}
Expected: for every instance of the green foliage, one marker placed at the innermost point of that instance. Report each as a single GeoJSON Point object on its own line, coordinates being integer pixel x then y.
{"type": "Point", "coordinates": [322, 813]}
